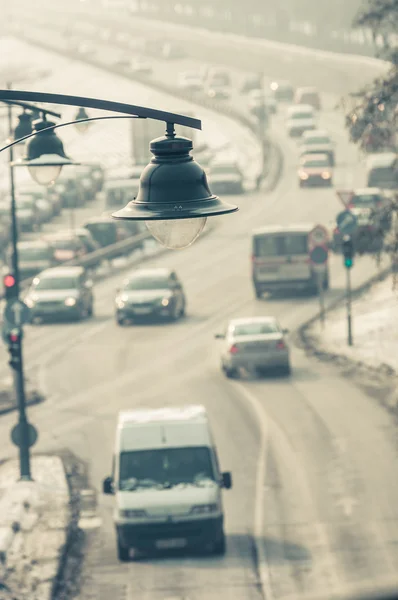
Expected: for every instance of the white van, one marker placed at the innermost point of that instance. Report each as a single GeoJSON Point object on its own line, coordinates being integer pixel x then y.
{"type": "Point", "coordinates": [300, 118]}
{"type": "Point", "coordinates": [167, 482]}
{"type": "Point", "coordinates": [281, 259]}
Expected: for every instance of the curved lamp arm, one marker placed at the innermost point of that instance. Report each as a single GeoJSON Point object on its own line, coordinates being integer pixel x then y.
{"type": "Point", "coordinates": [121, 107]}
{"type": "Point", "coordinates": [26, 137]}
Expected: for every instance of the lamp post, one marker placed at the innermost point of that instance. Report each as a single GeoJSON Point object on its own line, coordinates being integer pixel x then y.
{"type": "Point", "coordinates": [174, 198]}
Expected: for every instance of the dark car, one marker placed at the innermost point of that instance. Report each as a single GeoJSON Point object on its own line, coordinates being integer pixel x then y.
{"type": "Point", "coordinates": [150, 293]}
{"type": "Point", "coordinates": [71, 193]}
{"type": "Point", "coordinates": [85, 236]}
{"type": "Point", "coordinates": [61, 292]}
{"type": "Point", "coordinates": [253, 81]}
{"type": "Point", "coordinates": [107, 231]}
{"type": "Point", "coordinates": [67, 246]}
{"type": "Point", "coordinates": [372, 209]}
{"type": "Point", "coordinates": [225, 178]}
{"type": "Point", "coordinates": [283, 91]}
{"type": "Point", "coordinates": [97, 173]}
{"type": "Point", "coordinates": [34, 256]}
{"type": "Point", "coordinates": [28, 214]}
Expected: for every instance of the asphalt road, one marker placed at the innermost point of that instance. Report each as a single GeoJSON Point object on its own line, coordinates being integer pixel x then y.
{"type": "Point", "coordinates": [314, 460]}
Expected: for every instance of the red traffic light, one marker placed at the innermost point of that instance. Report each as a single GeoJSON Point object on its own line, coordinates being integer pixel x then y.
{"type": "Point", "coordinates": [9, 281]}
{"type": "Point", "coordinates": [14, 337]}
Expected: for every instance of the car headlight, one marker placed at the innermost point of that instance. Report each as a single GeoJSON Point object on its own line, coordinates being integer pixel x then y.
{"type": "Point", "coordinates": [165, 301]}
{"type": "Point", "coordinates": [70, 301]}
{"type": "Point", "coordinates": [325, 175]}
{"type": "Point", "coordinates": [202, 509]}
{"type": "Point", "coordinates": [132, 514]}
{"type": "Point", "coordinates": [120, 303]}
{"type": "Point", "coordinates": [303, 175]}
{"type": "Point", "coordinates": [30, 302]}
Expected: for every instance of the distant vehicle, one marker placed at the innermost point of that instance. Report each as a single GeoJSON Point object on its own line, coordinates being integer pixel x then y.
{"type": "Point", "coordinates": [119, 192]}
{"type": "Point", "coordinates": [38, 192]}
{"type": "Point", "coordinates": [382, 170]}
{"type": "Point", "coordinates": [256, 344]}
{"type": "Point", "coordinates": [67, 246]}
{"type": "Point", "coordinates": [372, 208]}
{"type": "Point", "coordinates": [217, 91]}
{"type": "Point", "coordinates": [61, 292]}
{"type": "Point", "coordinates": [308, 95]}
{"type": "Point", "coordinates": [171, 50]}
{"type": "Point", "coordinates": [225, 178]}
{"type": "Point", "coordinates": [55, 200]}
{"type": "Point", "coordinates": [124, 60]}
{"type": "Point", "coordinates": [28, 215]}
{"type": "Point", "coordinates": [156, 292]}
{"type": "Point", "coordinates": [258, 98]}
{"type": "Point", "coordinates": [141, 66]}
{"type": "Point", "coordinates": [300, 118]}
{"type": "Point", "coordinates": [70, 191]}
{"type": "Point", "coordinates": [317, 141]}
{"type": "Point", "coordinates": [86, 48]}
{"type": "Point", "coordinates": [253, 81]}
{"type": "Point", "coordinates": [315, 170]}
{"type": "Point", "coordinates": [107, 231]}
{"type": "Point", "coordinates": [190, 81]}
{"type": "Point", "coordinates": [34, 256]}
{"type": "Point", "coordinates": [90, 244]}
{"type": "Point", "coordinates": [97, 173]}
{"type": "Point", "coordinates": [83, 176]}
{"type": "Point", "coordinates": [283, 91]}
{"type": "Point", "coordinates": [218, 76]}
{"type": "Point", "coordinates": [165, 463]}
{"type": "Point", "coordinates": [281, 260]}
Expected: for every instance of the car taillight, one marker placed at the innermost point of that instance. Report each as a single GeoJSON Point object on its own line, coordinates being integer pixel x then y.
{"type": "Point", "coordinates": [233, 349]}
{"type": "Point", "coordinates": [336, 231]}
{"type": "Point", "coordinates": [350, 205]}
{"type": "Point", "coordinates": [280, 345]}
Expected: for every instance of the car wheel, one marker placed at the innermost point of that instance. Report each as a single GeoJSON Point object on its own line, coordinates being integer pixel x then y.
{"type": "Point", "coordinates": [258, 292]}
{"type": "Point", "coordinates": [231, 373]}
{"type": "Point", "coordinates": [220, 546]}
{"type": "Point", "coordinates": [183, 310]}
{"type": "Point", "coordinates": [123, 552]}
{"type": "Point", "coordinates": [120, 320]}
{"type": "Point", "coordinates": [286, 370]}
{"type": "Point", "coordinates": [91, 310]}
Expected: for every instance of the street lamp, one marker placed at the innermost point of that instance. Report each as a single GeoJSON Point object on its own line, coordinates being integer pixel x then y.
{"type": "Point", "coordinates": [45, 155]}
{"type": "Point", "coordinates": [82, 120]}
{"type": "Point", "coordinates": [23, 129]}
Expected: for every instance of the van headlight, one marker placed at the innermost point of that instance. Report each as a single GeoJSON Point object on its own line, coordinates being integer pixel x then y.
{"type": "Point", "coordinates": [325, 175]}
{"type": "Point", "coordinates": [165, 301]}
{"type": "Point", "coordinates": [70, 301]}
{"type": "Point", "coordinates": [132, 514]}
{"type": "Point", "coordinates": [303, 175]}
{"type": "Point", "coordinates": [204, 509]}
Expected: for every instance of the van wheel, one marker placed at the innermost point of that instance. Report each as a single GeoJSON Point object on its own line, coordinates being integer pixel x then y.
{"type": "Point", "coordinates": [220, 546]}
{"type": "Point", "coordinates": [123, 553]}
{"type": "Point", "coordinates": [230, 373]}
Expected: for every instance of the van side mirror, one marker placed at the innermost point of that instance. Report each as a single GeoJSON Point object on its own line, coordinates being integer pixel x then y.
{"type": "Point", "coordinates": [107, 485]}
{"type": "Point", "coordinates": [226, 479]}
{"type": "Point", "coordinates": [219, 336]}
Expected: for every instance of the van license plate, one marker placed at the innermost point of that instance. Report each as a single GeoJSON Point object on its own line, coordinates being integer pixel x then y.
{"type": "Point", "coordinates": [142, 311]}
{"type": "Point", "coordinates": [170, 544]}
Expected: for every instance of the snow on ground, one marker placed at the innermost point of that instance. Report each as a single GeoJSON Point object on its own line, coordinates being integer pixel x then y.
{"type": "Point", "coordinates": [41, 511]}
{"type": "Point", "coordinates": [375, 328]}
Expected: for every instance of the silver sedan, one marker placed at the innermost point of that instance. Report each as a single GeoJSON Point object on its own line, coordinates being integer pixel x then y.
{"type": "Point", "coordinates": [255, 344]}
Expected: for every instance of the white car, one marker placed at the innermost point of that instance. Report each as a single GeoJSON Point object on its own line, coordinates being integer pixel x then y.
{"type": "Point", "coordinates": [300, 118]}
{"type": "Point", "coordinates": [317, 141]}
{"type": "Point", "coordinates": [190, 81]}
{"type": "Point", "coordinates": [255, 344]}
{"type": "Point", "coordinates": [142, 66]}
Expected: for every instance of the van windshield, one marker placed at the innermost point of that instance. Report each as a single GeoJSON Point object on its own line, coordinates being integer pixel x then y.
{"type": "Point", "coordinates": [384, 177]}
{"type": "Point", "coordinates": [281, 245]}
{"type": "Point", "coordinates": [165, 467]}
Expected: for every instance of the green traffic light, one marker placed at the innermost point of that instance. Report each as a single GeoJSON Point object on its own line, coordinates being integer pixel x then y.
{"type": "Point", "coordinates": [348, 262]}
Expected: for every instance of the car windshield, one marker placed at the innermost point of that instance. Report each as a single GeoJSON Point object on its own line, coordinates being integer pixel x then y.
{"type": "Point", "coordinates": [27, 254]}
{"type": "Point", "coordinates": [366, 200]}
{"type": "Point", "coordinates": [262, 328]}
{"type": "Point", "coordinates": [165, 467]}
{"type": "Point", "coordinates": [317, 140]}
{"type": "Point", "coordinates": [383, 177]}
{"type": "Point", "coordinates": [56, 283]}
{"type": "Point", "coordinates": [302, 115]}
{"type": "Point", "coordinates": [315, 162]}
{"type": "Point", "coordinates": [147, 283]}
{"type": "Point", "coordinates": [67, 244]}
{"type": "Point", "coordinates": [25, 203]}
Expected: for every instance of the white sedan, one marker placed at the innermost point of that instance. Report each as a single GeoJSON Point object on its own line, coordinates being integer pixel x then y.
{"type": "Point", "coordinates": [255, 344]}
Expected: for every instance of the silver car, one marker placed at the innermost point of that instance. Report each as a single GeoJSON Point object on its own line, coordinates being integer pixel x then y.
{"type": "Point", "coordinates": [255, 344]}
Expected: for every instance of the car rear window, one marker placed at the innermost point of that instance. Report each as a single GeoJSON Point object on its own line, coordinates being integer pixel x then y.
{"type": "Point", "coordinates": [366, 200]}
{"type": "Point", "coordinates": [315, 162]}
{"type": "Point", "coordinates": [281, 245]}
{"type": "Point", "coordinates": [27, 254]}
{"type": "Point", "coordinates": [254, 328]}
{"type": "Point", "coordinates": [302, 115]}
{"type": "Point", "coordinates": [317, 140]}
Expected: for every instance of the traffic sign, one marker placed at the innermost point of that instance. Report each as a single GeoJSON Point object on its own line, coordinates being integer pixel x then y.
{"type": "Point", "coordinates": [16, 313]}
{"type": "Point", "coordinates": [346, 222]}
{"type": "Point", "coordinates": [318, 236]}
{"type": "Point", "coordinates": [345, 196]}
{"type": "Point", "coordinates": [31, 434]}
{"type": "Point", "coordinates": [319, 255]}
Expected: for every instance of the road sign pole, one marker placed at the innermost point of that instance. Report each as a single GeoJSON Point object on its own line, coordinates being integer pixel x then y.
{"type": "Point", "coordinates": [321, 296]}
{"type": "Point", "coordinates": [349, 309]}
{"type": "Point", "coordinates": [24, 448]}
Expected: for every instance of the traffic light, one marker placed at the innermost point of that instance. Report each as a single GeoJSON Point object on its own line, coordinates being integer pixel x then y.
{"type": "Point", "coordinates": [10, 286]}
{"type": "Point", "coordinates": [348, 251]}
{"type": "Point", "coordinates": [14, 347]}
